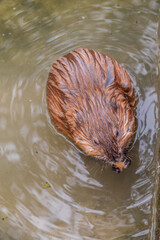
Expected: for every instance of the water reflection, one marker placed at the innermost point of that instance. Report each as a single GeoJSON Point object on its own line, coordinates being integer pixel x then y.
{"type": "Point", "coordinates": [86, 199]}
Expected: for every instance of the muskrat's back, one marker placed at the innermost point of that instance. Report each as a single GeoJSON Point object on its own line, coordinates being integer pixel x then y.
{"type": "Point", "coordinates": [91, 99]}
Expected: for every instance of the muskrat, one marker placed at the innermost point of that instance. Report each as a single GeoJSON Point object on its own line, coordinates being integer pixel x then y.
{"type": "Point", "coordinates": [91, 99]}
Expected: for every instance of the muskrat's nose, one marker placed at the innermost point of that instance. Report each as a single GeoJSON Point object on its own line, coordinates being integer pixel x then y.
{"type": "Point", "coordinates": [116, 169]}
{"type": "Point", "coordinates": [119, 166]}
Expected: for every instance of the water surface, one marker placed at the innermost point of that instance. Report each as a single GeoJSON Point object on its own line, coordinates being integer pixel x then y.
{"type": "Point", "coordinates": [86, 199]}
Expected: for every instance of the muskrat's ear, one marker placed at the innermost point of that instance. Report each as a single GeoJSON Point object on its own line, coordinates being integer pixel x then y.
{"type": "Point", "coordinates": [113, 103]}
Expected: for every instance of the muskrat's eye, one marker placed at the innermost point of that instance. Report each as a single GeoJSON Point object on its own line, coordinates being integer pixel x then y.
{"type": "Point", "coordinates": [96, 142]}
{"type": "Point", "coordinates": [117, 133]}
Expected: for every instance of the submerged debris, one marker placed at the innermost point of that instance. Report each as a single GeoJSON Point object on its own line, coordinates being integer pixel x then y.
{"type": "Point", "coordinates": [47, 185]}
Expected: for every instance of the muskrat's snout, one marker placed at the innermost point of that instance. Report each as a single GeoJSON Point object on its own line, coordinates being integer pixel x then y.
{"type": "Point", "coordinates": [119, 166]}
{"type": "Point", "coordinates": [116, 169]}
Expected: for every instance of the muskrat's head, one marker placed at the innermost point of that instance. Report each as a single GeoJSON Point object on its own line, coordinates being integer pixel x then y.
{"type": "Point", "coordinates": [105, 125]}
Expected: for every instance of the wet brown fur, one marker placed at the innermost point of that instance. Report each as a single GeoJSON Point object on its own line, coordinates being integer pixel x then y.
{"type": "Point", "coordinates": [91, 99]}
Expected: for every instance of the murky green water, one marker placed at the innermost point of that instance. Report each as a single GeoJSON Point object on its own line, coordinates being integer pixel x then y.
{"type": "Point", "coordinates": [86, 200]}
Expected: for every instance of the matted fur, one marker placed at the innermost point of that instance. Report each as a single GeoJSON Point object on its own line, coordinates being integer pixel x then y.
{"type": "Point", "coordinates": [91, 99]}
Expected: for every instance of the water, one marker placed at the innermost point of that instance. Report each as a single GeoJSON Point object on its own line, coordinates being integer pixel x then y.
{"type": "Point", "coordinates": [85, 200]}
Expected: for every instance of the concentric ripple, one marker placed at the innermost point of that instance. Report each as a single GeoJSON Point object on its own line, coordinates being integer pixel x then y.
{"type": "Point", "coordinates": [49, 189]}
